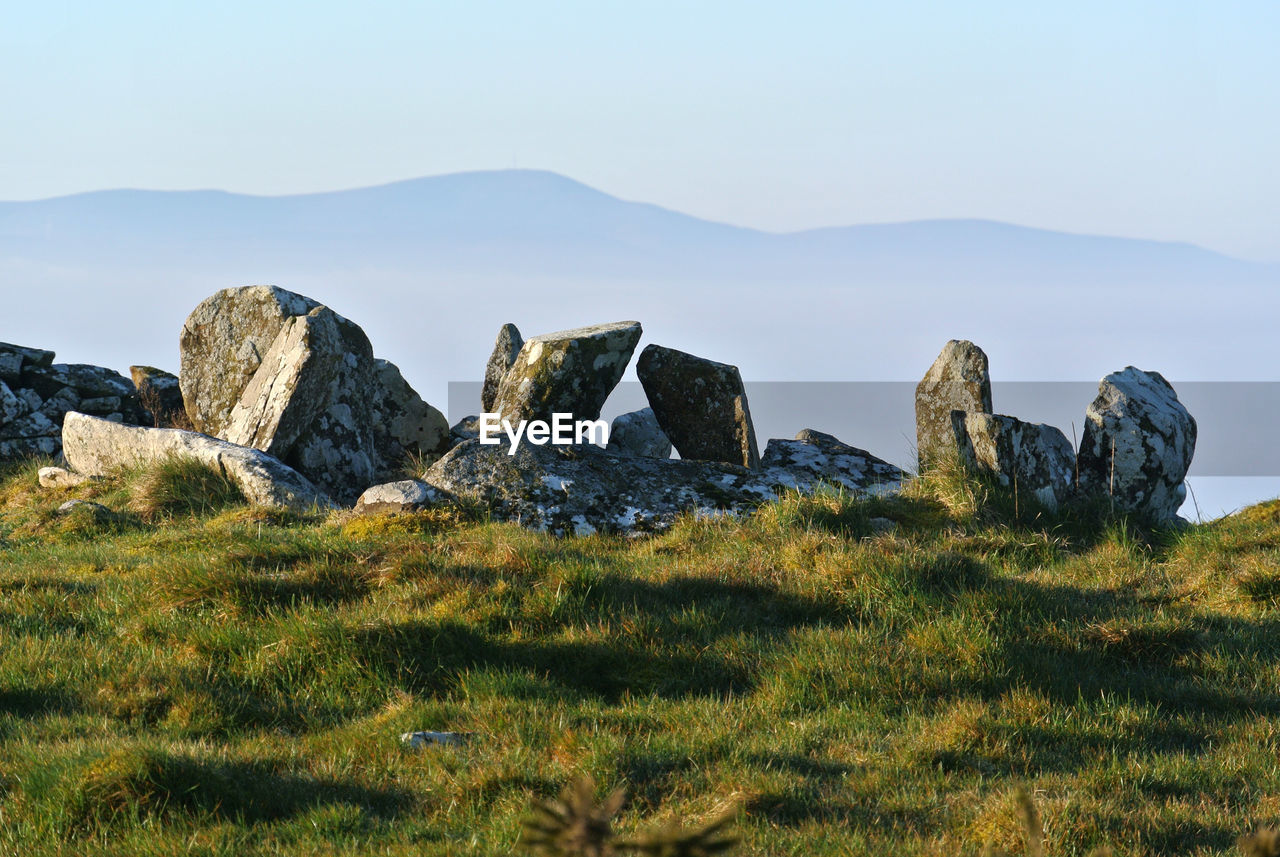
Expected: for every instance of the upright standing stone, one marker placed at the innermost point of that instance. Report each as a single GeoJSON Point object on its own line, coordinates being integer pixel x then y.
{"type": "Point", "coordinates": [700, 404]}
{"type": "Point", "coordinates": [569, 372]}
{"type": "Point", "coordinates": [1138, 443]}
{"type": "Point", "coordinates": [505, 351]}
{"type": "Point", "coordinates": [1034, 459]}
{"type": "Point", "coordinates": [957, 381]}
{"type": "Point", "coordinates": [222, 345]}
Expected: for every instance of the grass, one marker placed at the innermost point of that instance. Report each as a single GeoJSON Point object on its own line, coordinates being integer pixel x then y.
{"type": "Point", "coordinates": [187, 674]}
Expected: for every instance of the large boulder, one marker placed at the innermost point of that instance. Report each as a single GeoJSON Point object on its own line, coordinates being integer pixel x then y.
{"type": "Point", "coordinates": [403, 424]}
{"type": "Point", "coordinates": [1034, 459]}
{"type": "Point", "coordinates": [584, 489]}
{"type": "Point", "coordinates": [98, 447]}
{"type": "Point", "coordinates": [222, 345]}
{"type": "Point", "coordinates": [638, 433]}
{"type": "Point", "coordinates": [814, 458]}
{"type": "Point", "coordinates": [957, 381]}
{"type": "Point", "coordinates": [1137, 445]}
{"type": "Point", "coordinates": [505, 350]}
{"type": "Point", "coordinates": [700, 404]}
{"type": "Point", "coordinates": [569, 372]}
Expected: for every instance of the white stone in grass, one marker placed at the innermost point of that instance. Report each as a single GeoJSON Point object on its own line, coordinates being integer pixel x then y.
{"type": "Point", "coordinates": [419, 740]}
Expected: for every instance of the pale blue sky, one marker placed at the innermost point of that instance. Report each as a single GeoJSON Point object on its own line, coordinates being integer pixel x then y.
{"type": "Point", "coordinates": [1150, 119]}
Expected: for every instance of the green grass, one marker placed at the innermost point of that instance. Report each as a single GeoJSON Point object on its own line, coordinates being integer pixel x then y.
{"type": "Point", "coordinates": [191, 675]}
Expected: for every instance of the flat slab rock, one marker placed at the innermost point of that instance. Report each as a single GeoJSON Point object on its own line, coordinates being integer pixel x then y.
{"type": "Point", "coordinates": [584, 489]}
{"type": "Point", "coordinates": [814, 458]}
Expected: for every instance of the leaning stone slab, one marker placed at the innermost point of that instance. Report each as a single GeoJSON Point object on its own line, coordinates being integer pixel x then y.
{"type": "Point", "coordinates": [1137, 445]}
{"type": "Point", "coordinates": [569, 372]}
{"type": "Point", "coordinates": [407, 495]}
{"type": "Point", "coordinates": [638, 433]}
{"type": "Point", "coordinates": [700, 404]}
{"type": "Point", "coordinates": [814, 458]}
{"type": "Point", "coordinates": [584, 489]}
{"type": "Point", "coordinates": [222, 345]}
{"type": "Point", "coordinates": [97, 447]}
{"type": "Point", "coordinates": [1035, 459]}
{"type": "Point", "coordinates": [403, 423]}
{"type": "Point", "coordinates": [957, 381]}
{"type": "Point", "coordinates": [505, 350]}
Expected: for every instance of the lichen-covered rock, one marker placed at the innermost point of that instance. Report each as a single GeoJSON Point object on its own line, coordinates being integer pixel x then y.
{"type": "Point", "coordinates": [467, 428]}
{"type": "Point", "coordinates": [15, 358]}
{"type": "Point", "coordinates": [505, 351]}
{"type": "Point", "coordinates": [957, 381]}
{"type": "Point", "coordinates": [814, 458]}
{"type": "Point", "coordinates": [406, 495]}
{"type": "Point", "coordinates": [60, 477]}
{"type": "Point", "coordinates": [1137, 445]}
{"type": "Point", "coordinates": [222, 345]}
{"type": "Point", "coordinates": [584, 489]}
{"type": "Point", "coordinates": [160, 394]}
{"type": "Point", "coordinates": [29, 447]}
{"type": "Point", "coordinates": [11, 406]}
{"type": "Point", "coordinates": [700, 404]}
{"type": "Point", "coordinates": [638, 433]}
{"type": "Point", "coordinates": [568, 372]}
{"type": "Point", "coordinates": [403, 424]}
{"type": "Point", "coordinates": [67, 386]}
{"type": "Point", "coordinates": [1034, 459]}
{"type": "Point", "coordinates": [98, 447]}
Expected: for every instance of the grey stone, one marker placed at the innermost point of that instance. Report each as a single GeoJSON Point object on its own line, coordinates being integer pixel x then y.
{"type": "Point", "coordinates": [15, 358]}
{"type": "Point", "coordinates": [29, 447]}
{"type": "Point", "coordinates": [638, 433]}
{"type": "Point", "coordinates": [570, 372]}
{"type": "Point", "coordinates": [11, 405]}
{"type": "Point", "coordinates": [403, 424]}
{"type": "Point", "coordinates": [1034, 459]}
{"type": "Point", "coordinates": [32, 425]}
{"type": "Point", "coordinates": [65, 399]}
{"type": "Point", "coordinates": [467, 428]}
{"type": "Point", "coordinates": [98, 511]}
{"type": "Point", "coordinates": [60, 477]}
{"type": "Point", "coordinates": [505, 350]}
{"type": "Point", "coordinates": [700, 404]}
{"type": "Point", "coordinates": [95, 381]}
{"type": "Point", "coordinates": [98, 447]}
{"type": "Point", "coordinates": [584, 489]}
{"type": "Point", "coordinates": [957, 381]}
{"type": "Point", "coordinates": [1137, 445]}
{"type": "Point", "coordinates": [814, 458]}
{"type": "Point", "coordinates": [99, 405]}
{"type": "Point", "coordinates": [31, 397]}
{"type": "Point", "coordinates": [407, 495]}
{"type": "Point", "coordinates": [160, 394]}
{"type": "Point", "coordinates": [222, 345]}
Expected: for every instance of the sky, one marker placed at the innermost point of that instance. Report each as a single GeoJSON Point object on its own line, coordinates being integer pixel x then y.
{"type": "Point", "coordinates": [1138, 119]}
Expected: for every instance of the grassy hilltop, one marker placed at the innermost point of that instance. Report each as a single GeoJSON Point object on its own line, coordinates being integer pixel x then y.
{"type": "Point", "coordinates": [184, 674]}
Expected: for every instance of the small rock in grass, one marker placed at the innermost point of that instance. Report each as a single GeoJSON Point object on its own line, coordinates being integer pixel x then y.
{"type": "Point", "coordinates": [60, 477]}
{"type": "Point", "coordinates": [418, 740]}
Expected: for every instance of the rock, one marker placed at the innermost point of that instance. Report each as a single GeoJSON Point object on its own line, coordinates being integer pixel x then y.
{"type": "Point", "coordinates": [34, 424]}
{"type": "Point", "coordinates": [99, 405]}
{"type": "Point", "coordinates": [419, 740]}
{"type": "Point", "coordinates": [814, 458]}
{"type": "Point", "coordinates": [29, 447]}
{"type": "Point", "coordinates": [584, 489]}
{"type": "Point", "coordinates": [701, 406]}
{"type": "Point", "coordinates": [467, 428]}
{"type": "Point", "coordinates": [58, 477]}
{"type": "Point", "coordinates": [98, 511]}
{"type": "Point", "coordinates": [957, 381]}
{"type": "Point", "coordinates": [505, 350]}
{"type": "Point", "coordinates": [1035, 459]}
{"type": "Point", "coordinates": [11, 406]}
{"type": "Point", "coordinates": [638, 433]}
{"type": "Point", "coordinates": [15, 358]}
{"type": "Point", "coordinates": [403, 424]}
{"type": "Point", "coordinates": [407, 495]}
{"type": "Point", "coordinates": [222, 345]}
{"type": "Point", "coordinates": [1137, 445]}
{"type": "Point", "coordinates": [57, 405]}
{"type": "Point", "coordinates": [160, 394]}
{"type": "Point", "coordinates": [569, 372]}
{"type": "Point", "coordinates": [97, 447]}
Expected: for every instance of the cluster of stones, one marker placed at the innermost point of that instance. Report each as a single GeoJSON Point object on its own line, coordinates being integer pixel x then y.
{"type": "Point", "coordinates": [1137, 446]}
{"type": "Point", "coordinates": [36, 394]}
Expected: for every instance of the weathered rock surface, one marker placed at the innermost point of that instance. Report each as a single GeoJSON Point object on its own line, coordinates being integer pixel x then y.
{"type": "Point", "coordinates": [160, 394]}
{"type": "Point", "coordinates": [958, 380]}
{"type": "Point", "coordinates": [584, 489]}
{"type": "Point", "coordinates": [505, 350]}
{"type": "Point", "coordinates": [404, 424]}
{"type": "Point", "coordinates": [222, 345]}
{"type": "Point", "coordinates": [700, 404]}
{"type": "Point", "coordinates": [1138, 443]}
{"type": "Point", "coordinates": [1035, 459]}
{"type": "Point", "coordinates": [15, 358]}
{"type": "Point", "coordinates": [60, 477]}
{"type": "Point", "coordinates": [638, 433]}
{"type": "Point", "coordinates": [467, 428]}
{"type": "Point", "coordinates": [407, 495]}
{"type": "Point", "coordinates": [814, 458]}
{"type": "Point", "coordinates": [96, 447]}
{"type": "Point", "coordinates": [569, 372]}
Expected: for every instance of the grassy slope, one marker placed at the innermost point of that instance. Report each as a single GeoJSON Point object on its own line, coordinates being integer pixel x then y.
{"type": "Point", "coordinates": [234, 681]}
